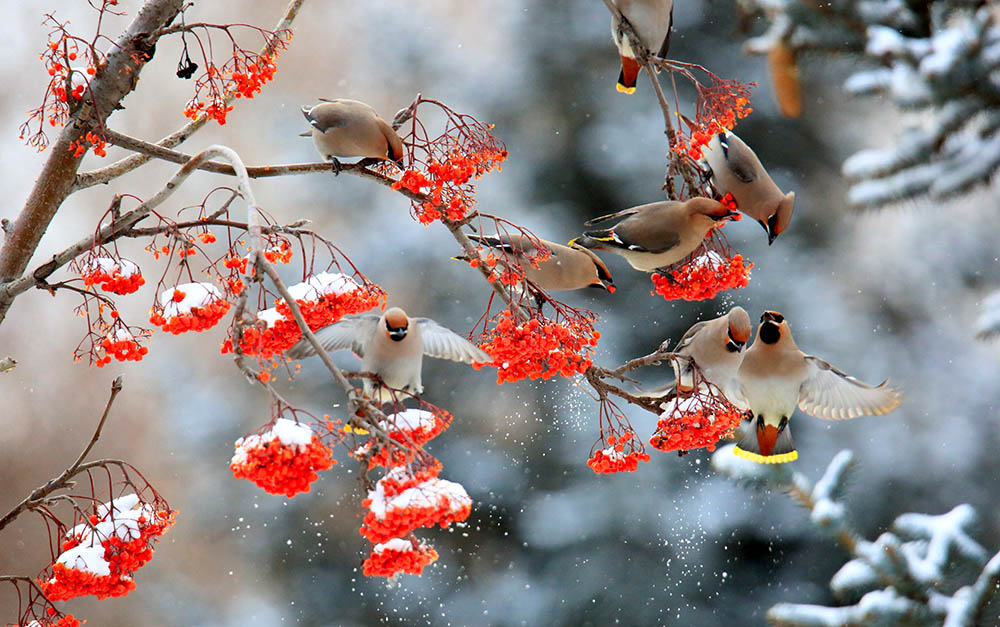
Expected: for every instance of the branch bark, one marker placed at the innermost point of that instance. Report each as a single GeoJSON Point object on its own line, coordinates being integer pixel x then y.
{"type": "Point", "coordinates": [115, 79]}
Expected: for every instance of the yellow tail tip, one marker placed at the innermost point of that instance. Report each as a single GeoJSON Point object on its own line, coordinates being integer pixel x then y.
{"type": "Point", "coordinates": [625, 90]}
{"type": "Point", "coordinates": [783, 458]}
{"type": "Point", "coordinates": [573, 241]}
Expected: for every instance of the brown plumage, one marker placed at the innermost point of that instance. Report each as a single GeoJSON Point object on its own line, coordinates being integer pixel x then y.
{"type": "Point", "coordinates": [651, 20]}
{"type": "Point", "coordinates": [567, 267]}
{"type": "Point", "coordinates": [775, 376]}
{"type": "Point", "coordinates": [736, 170]}
{"type": "Point", "coordinates": [348, 128]}
{"type": "Point", "coordinates": [658, 234]}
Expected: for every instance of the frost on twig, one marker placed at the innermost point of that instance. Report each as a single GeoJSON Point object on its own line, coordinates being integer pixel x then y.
{"type": "Point", "coordinates": [937, 57]}
{"type": "Point", "coordinates": [917, 574]}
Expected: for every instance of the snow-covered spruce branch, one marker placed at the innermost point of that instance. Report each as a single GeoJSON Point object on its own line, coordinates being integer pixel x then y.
{"type": "Point", "coordinates": [64, 480]}
{"type": "Point", "coordinates": [938, 57]}
{"type": "Point", "coordinates": [907, 576]}
{"type": "Point", "coordinates": [125, 165]}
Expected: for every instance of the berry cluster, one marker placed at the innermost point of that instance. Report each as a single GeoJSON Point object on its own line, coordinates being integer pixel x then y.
{"type": "Point", "coordinates": [242, 76]}
{"type": "Point", "coordinates": [697, 421]}
{"type": "Point", "coordinates": [619, 456]}
{"type": "Point", "coordinates": [189, 307]}
{"type": "Point", "coordinates": [327, 297]}
{"type": "Point", "coordinates": [399, 555]}
{"type": "Point", "coordinates": [703, 276]}
{"type": "Point", "coordinates": [283, 459]}
{"type": "Point", "coordinates": [121, 345]}
{"type": "Point", "coordinates": [720, 107]}
{"type": "Point", "coordinates": [409, 430]}
{"type": "Point", "coordinates": [101, 555]}
{"type": "Point", "coordinates": [118, 276]}
{"type": "Point", "coordinates": [446, 182]}
{"type": "Point", "coordinates": [404, 500]}
{"type": "Point", "coordinates": [539, 348]}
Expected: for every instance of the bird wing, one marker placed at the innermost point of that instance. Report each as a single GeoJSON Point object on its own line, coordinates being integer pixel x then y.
{"type": "Point", "coordinates": [829, 393]}
{"type": "Point", "coordinates": [689, 335]}
{"type": "Point", "coordinates": [642, 234]}
{"type": "Point", "coordinates": [446, 344]}
{"type": "Point", "coordinates": [737, 159]}
{"type": "Point", "coordinates": [352, 333]}
{"type": "Point", "coordinates": [324, 119]}
{"type": "Point", "coordinates": [624, 213]}
{"type": "Point", "coordinates": [665, 47]}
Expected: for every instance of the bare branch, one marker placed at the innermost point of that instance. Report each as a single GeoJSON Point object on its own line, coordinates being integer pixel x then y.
{"type": "Point", "coordinates": [123, 166]}
{"type": "Point", "coordinates": [64, 477]}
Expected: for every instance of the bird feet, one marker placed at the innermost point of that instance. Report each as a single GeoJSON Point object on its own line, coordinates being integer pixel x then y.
{"type": "Point", "coordinates": [335, 166]}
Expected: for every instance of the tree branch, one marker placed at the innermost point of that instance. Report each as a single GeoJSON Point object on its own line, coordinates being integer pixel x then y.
{"type": "Point", "coordinates": [114, 80]}
{"type": "Point", "coordinates": [123, 166]}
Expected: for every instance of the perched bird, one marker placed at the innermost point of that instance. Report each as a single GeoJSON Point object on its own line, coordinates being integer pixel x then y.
{"type": "Point", "coordinates": [715, 346]}
{"type": "Point", "coordinates": [348, 128]}
{"type": "Point", "coordinates": [392, 346]}
{"type": "Point", "coordinates": [736, 170]}
{"type": "Point", "coordinates": [658, 234]}
{"type": "Point", "coordinates": [567, 267]}
{"type": "Point", "coordinates": [651, 20]}
{"type": "Point", "coordinates": [776, 375]}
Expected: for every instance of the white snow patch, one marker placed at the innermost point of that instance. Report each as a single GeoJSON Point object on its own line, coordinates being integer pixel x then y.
{"type": "Point", "coordinates": [323, 284]}
{"type": "Point", "coordinates": [430, 493]}
{"type": "Point", "coordinates": [195, 295]}
{"type": "Point", "coordinates": [288, 432]}
{"type": "Point", "coordinates": [409, 420]}
{"type": "Point", "coordinates": [396, 544]}
{"type": "Point", "coordinates": [110, 266]}
{"type": "Point", "coordinates": [86, 558]}
{"type": "Point", "coordinates": [270, 316]}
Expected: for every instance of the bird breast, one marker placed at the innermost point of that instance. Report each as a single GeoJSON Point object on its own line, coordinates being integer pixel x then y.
{"type": "Point", "coordinates": [359, 139]}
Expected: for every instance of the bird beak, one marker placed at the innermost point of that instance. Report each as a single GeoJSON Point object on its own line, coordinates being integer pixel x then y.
{"type": "Point", "coordinates": [306, 134]}
{"type": "Point", "coordinates": [769, 227]}
{"type": "Point", "coordinates": [771, 236]}
{"type": "Point", "coordinates": [397, 334]}
{"type": "Point", "coordinates": [737, 346]}
{"type": "Point", "coordinates": [772, 316]}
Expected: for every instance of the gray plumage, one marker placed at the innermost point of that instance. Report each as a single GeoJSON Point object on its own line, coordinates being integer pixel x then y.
{"type": "Point", "coordinates": [348, 128]}
{"type": "Point", "coordinates": [716, 347]}
{"type": "Point", "coordinates": [736, 170]}
{"type": "Point", "coordinates": [658, 234]}
{"type": "Point", "coordinates": [567, 267]}
{"type": "Point", "coordinates": [392, 346]}
{"type": "Point", "coordinates": [651, 20]}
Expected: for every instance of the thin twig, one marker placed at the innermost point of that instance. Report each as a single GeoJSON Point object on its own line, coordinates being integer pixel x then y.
{"type": "Point", "coordinates": [62, 480]}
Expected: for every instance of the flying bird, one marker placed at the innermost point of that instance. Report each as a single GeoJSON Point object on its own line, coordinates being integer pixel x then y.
{"type": "Point", "coordinates": [570, 267]}
{"type": "Point", "coordinates": [735, 169]}
{"type": "Point", "coordinates": [775, 376]}
{"type": "Point", "coordinates": [348, 128]}
{"type": "Point", "coordinates": [716, 347]}
{"type": "Point", "coordinates": [392, 346]}
{"type": "Point", "coordinates": [651, 20]}
{"type": "Point", "coordinates": [658, 234]}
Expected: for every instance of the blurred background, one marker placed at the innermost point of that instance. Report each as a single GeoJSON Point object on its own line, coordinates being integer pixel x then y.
{"type": "Point", "coordinates": [887, 294]}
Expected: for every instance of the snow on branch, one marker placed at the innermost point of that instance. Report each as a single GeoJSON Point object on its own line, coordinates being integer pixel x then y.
{"type": "Point", "coordinates": [937, 57]}
{"type": "Point", "coordinates": [911, 575]}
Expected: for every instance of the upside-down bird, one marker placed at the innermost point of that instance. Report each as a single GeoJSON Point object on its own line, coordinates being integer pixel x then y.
{"type": "Point", "coordinates": [736, 170]}
{"type": "Point", "coordinates": [651, 20]}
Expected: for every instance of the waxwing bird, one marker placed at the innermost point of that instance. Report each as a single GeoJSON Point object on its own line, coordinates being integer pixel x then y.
{"type": "Point", "coordinates": [775, 376]}
{"type": "Point", "coordinates": [348, 128]}
{"type": "Point", "coordinates": [651, 20]}
{"type": "Point", "coordinates": [658, 234]}
{"type": "Point", "coordinates": [567, 267]}
{"type": "Point", "coordinates": [392, 346]}
{"type": "Point", "coordinates": [716, 347]}
{"type": "Point", "coordinates": [736, 170]}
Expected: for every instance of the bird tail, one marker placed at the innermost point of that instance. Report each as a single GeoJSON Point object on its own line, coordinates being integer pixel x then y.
{"type": "Point", "coordinates": [767, 445]}
{"type": "Point", "coordinates": [593, 239]}
{"type": "Point", "coordinates": [628, 75]}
